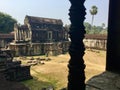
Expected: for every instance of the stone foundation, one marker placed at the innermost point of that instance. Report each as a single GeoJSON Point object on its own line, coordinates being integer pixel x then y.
{"type": "Point", "coordinates": [48, 49]}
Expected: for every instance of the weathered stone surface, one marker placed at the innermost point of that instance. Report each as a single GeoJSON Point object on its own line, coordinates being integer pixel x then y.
{"type": "Point", "coordinates": [40, 36]}
{"type": "Point", "coordinates": [13, 70]}
{"type": "Point", "coordinates": [18, 73]}
{"type": "Point", "coordinates": [118, 83]}
{"type": "Point", "coordinates": [105, 81]}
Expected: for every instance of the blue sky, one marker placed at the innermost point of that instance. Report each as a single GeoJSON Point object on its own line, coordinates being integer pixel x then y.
{"type": "Point", "coordinates": [52, 9]}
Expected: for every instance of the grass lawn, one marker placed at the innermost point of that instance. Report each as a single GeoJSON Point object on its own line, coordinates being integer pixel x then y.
{"type": "Point", "coordinates": [54, 72]}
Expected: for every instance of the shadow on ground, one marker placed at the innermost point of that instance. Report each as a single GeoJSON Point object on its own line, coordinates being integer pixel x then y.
{"type": "Point", "coordinates": [35, 84]}
{"type": "Point", "coordinates": [32, 84]}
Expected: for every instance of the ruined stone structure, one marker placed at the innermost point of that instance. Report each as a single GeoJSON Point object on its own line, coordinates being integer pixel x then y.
{"type": "Point", "coordinates": [5, 39]}
{"type": "Point", "coordinates": [13, 70]}
{"type": "Point", "coordinates": [95, 41]}
{"type": "Point", "coordinates": [91, 41]}
{"type": "Point", "coordinates": [40, 36]}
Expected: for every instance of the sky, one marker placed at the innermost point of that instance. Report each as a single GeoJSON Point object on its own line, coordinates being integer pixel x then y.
{"type": "Point", "coordinates": [57, 9]}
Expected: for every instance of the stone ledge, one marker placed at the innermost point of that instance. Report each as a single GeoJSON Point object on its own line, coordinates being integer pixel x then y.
{"type": "Point", "coordinates": [105, 81]}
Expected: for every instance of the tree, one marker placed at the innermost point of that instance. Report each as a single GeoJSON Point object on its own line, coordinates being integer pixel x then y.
{"type": "Point", "coordinates": [93, 12]}
{"type": "Point", "coordinates": [87, 27]}
{"type": "Point", "coordinates": [95, 29]}
{"type": "Point", "coordinates": [6, 23]}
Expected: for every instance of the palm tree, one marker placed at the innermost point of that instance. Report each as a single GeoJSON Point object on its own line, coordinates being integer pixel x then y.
{"type": "Point", "coordinates": [93, 12]}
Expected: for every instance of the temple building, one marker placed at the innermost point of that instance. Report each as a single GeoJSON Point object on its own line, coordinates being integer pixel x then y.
{"type": "Point", "coordinates": [40, 36]}
{"type": "Point", "coordinates": [95, 41]}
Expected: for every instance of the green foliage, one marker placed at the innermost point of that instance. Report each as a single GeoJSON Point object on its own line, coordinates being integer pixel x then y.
{"type": "Point", "coordinates": [87, 27]}
{"type": "Point", "coordinates": [6, 23]}
{"type": "Point", "coordinates": [36, 84]}
{"type": "Point", "coordinates": [94, 29]}
{"type": "Point", "coordinates": [94, 10]}
{"type": "Point", "coordinates": [40, 81]}
{"type": "Point", "coordinates": [91, 29]}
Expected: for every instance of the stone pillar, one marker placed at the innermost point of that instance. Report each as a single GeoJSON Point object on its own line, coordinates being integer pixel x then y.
{"type": "Point", "coordinates": [25, 33]}
{"type": "Point", "coordinates": [113, 43]}
{"type": "Point", "coordinates": [18, 35]}
{"type": "Point", "coordinates": [76, 77]}
{"type": "Point", "coordinates": [29, 32]}
{"type": "Point", "coordinates": [15, 34]}
{"type": "Point", "coordinates": [19, 32]}
{"type": "Point", "coordinates": [22, 35]}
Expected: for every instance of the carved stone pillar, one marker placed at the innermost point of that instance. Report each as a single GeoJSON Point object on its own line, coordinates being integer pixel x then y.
{"type": "Point", "coordinates": [22, 34]}
{"type": "Point", "coordinates": [28, 34]}
{"type": "Point", "coordinates": [19, 34]}
{"type": "Point", "coordinates": [113, 43]}
{"type": "Point", "coordinates": [76, 77]}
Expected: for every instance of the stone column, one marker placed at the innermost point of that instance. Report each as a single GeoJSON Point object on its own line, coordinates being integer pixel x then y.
{"type": "Point", "coordinates": [29, 32]}
{"type": "Point", "coordinates": [18, 37]}
{"type": "Point", "coordinates": [113, 43]}
{"type": "Point", "coordinates": [22, 35]}
{"type": "Point", "coordinates": [19, 34]}
{"type": "Point", "coordinates": [76, 77]}
{"type": "Point", "coordinates": [15, 34]}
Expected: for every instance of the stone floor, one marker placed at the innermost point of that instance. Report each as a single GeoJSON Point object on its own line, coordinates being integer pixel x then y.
{"type": "Point", "coordinates": [105, 81]}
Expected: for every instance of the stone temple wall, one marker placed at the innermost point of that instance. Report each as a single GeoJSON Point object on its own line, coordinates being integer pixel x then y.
{"type": "Point", "coordinates": [53, 48]}
{"type": "Point", "coordinates": [48, 49]}
{"type": "Point", "coordinates": [95, 43]}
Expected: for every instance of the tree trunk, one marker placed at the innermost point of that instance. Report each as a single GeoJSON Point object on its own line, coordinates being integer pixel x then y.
{"type": "Point", "coordinates": [92, 21]}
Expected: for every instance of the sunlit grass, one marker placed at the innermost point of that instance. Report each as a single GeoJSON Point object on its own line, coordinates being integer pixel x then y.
{"type": "Point", "coordinates": [54, 72]}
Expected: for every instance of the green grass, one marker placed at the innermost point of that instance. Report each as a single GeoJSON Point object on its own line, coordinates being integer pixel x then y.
{"type": "Point", "coordinates": [35, 84]}
{"type": "Point", "coordinates": [53, 73]}
{"type": "Point", "coordinates": [40, 81]}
